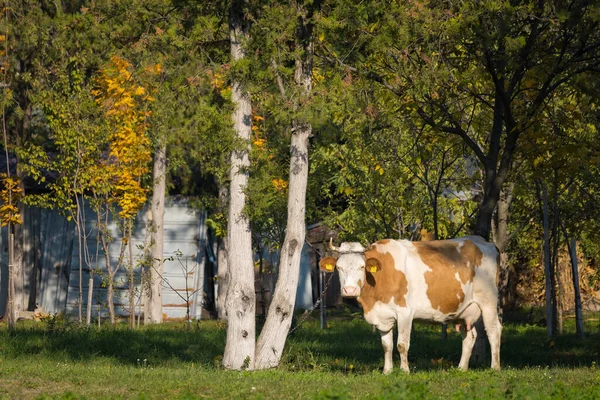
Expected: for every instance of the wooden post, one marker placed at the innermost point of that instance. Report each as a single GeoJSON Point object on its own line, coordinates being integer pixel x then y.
{"type": "Point", "coordinates": [323, 297]}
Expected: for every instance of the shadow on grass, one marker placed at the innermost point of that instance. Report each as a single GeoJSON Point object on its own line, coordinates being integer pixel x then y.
{"type": "Point", "coordinates": [156, 345]}
{"type": "Point", "coordinates": [349, 345]}
{"type": "Point", "coordinates": [353, 342]}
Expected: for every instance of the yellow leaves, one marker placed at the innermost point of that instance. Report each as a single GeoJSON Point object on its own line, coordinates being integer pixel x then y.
{"type": "Point", "coordinates": [317, 77]}
{"type": "Point", "coordinates": [279, 184]}
{"type": "Point", "coordinates": [346, 190]}
{"type": "Point", "coordinates": [125, 103]}
{"type": "Point", "coordinates": [10, 196]}
{"type": "Point", "coordinates": [379, 169]}
{"type": "Point", "coordinates": [259, 142]}
{"type": "Point", "coordinates": [216, 80]}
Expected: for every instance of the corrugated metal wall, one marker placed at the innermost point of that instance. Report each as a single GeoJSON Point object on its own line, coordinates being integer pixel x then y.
{"type": "Point", "coordinates": [51, 260]}
{"type": "Point", "coordinates": [52, 246]}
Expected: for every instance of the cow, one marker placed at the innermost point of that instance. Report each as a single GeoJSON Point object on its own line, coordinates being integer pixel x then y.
{"type": "Point", "coordinates": [446, 281]}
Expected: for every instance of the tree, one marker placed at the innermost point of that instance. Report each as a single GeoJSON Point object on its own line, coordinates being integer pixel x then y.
{"type": "Point", "coordinates": [129, 154]}
{"type": "Point", "coordinates": [480, 72]}
{"type": "Point", "coordinates": [240, 302]}
{"type": "Point", "coordinates": [279, 318]}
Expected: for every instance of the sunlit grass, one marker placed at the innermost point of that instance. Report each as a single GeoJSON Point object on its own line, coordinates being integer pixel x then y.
{"type": "Point", "coordinates": [59, 359]}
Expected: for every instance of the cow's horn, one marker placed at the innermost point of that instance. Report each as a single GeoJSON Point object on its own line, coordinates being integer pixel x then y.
{"type": "Point", "coordinates": [331, 246]}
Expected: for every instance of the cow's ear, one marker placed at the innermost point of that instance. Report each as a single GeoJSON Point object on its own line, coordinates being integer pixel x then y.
{"type": "Point", "coordinates": [373, 265]}
{"type": "Point", "coordinates": [327, 264]}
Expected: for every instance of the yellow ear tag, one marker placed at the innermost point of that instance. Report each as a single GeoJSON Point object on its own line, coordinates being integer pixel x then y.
{"type": "Point", "coordinates": [329, 267]}
{"type": "Point", "coordinates": [373, 269]}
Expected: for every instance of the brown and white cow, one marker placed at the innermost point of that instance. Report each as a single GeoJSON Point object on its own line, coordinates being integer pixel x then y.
{"type": "Point", "coordinates": [447, 281]}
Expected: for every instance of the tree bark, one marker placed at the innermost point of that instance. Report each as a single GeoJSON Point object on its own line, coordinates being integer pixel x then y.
{"type": "Point", "coordinates": [131, 277]}
{"type": "Point", "coordinates": [153, 305]}
{"type": "Point", "coordinates": [576, 289]}
{"type": "Point", "coordinates": [279, 318]}
{"type": "Point", "coordinates": [547, 265]}
{"type": "Point", "coordinates": [88, 310]}
{"type": "Point", "coordinates": [17, 275]}
{"type": "Point", "coordinates": [240, 304]}
{"type": "Point", "coordinates": [281, 310]}
{"type": "Point", "coordinates": [501, 239]}
{"type": "Point", "coordinates": [11, 315]}
{"type": "Point", "coordinates": [222, 260]}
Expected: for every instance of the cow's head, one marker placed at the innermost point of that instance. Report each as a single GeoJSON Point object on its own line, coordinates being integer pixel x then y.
{"type": "Point", "coordinates": [352, 266]}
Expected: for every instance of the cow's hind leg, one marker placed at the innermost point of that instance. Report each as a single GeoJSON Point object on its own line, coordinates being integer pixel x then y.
{"type": "Point", "coordinates": [405, 320]}
{"type": "Point", "coordinates": [387, 341]}
{"type": "Point", "coordinates": [493, 329]}
{"type": "Point", "coordinates": [469, 337]}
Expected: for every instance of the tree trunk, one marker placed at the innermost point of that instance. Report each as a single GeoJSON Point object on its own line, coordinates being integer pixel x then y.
{"type": "Point", "coordinates": [281, 310]}
{"type": "Point", "coordinates": [491, 195]}
{"type": "Point", "coordinates": [555, 273]}
{"type": "Point", "coordinates": [576, 290]}
{"type": "Point", "coordinates": [279, 318]}
{"type": "Point", "coordinates": [88, 315]}
{"type": "Point", "coordinates": [222, 260]}
{"type": "Point", "coordinates": [11, 315]}
{"type": "Point", "coordinates": [18, 282]}
{"type": "Point", "coordinates": [547, 265]}
{"type": "Point", "coordinates": [131, 276]}
{"type": "Point", "coordinates": [80, 256]}
{"type": "Point", "coordinates": [153, 304]}
{"type": "Point", "coordinates": [241, 299]}
{"type": "Point", "coordinates": [501, 239]}
{"type": "Point", "coordinates": [110, 299]}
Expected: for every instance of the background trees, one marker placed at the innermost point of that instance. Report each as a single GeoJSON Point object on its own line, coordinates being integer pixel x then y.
{"type": "Point", "coordinates": [426, 118]}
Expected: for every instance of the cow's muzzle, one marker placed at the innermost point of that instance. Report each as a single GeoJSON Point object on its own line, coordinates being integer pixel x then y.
{"type": "Point", "coordinates": [350, 291]}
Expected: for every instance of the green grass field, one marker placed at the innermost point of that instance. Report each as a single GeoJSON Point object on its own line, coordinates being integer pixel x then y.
{"type": "Point", "coordinates": [61, 360]}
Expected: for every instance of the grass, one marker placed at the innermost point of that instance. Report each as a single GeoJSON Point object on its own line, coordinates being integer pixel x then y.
{"type": "Point", "coordinates": [57, 359]}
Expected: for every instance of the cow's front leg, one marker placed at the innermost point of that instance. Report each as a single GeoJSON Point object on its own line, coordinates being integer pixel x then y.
{"type": "Point", "coordinates": [387, 341]}
{"type": "Point", "coordinates": [405, 319]}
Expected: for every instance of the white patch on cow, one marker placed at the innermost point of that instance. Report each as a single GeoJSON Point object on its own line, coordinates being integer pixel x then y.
{"type": "Point", "coordinates": [383, 315]}
{"type": "Point", "coordinates": [351, 247]}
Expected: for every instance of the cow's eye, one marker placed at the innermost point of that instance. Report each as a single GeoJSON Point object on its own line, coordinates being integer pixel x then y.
{"type": "Point", "coordinates": [362, 268]}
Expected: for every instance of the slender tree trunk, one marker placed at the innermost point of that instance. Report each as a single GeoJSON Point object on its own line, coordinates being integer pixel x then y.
{"type": "Point", "coordinates": [555, 275]}
{"type": "Point", "coordinates": [11, 314]}
{"type": "Point", "coordinates": [90, 299]}
{"type": "Point", "coordinates": [576, 290]}
{"type": "Point", "coordinates": [131, 276]}
{"type": "Point", "coordinates": [279, 318]}
{"type": "Point", "coordinates": [501, 239]}
{"type": "Point", "coordinates": [222, 260]}
{"type": "Point", "coordinates": [110, 303]}
{"type": "Point", "coordinates": [18, 282]}
{"type": "Point", "coordinates": [80, 256]}
{"type": "Point", "coordinates": [153, 312]}
{"type": "Point", "coordinates": [547, 265]}
{"type": "Point", "coordinates": [281, 310]}
{"type": "Point", "coordinates": [240, 304]}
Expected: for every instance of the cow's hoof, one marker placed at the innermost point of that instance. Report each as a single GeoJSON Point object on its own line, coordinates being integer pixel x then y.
{"type": "Point", "coordinates": [387, 371]}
